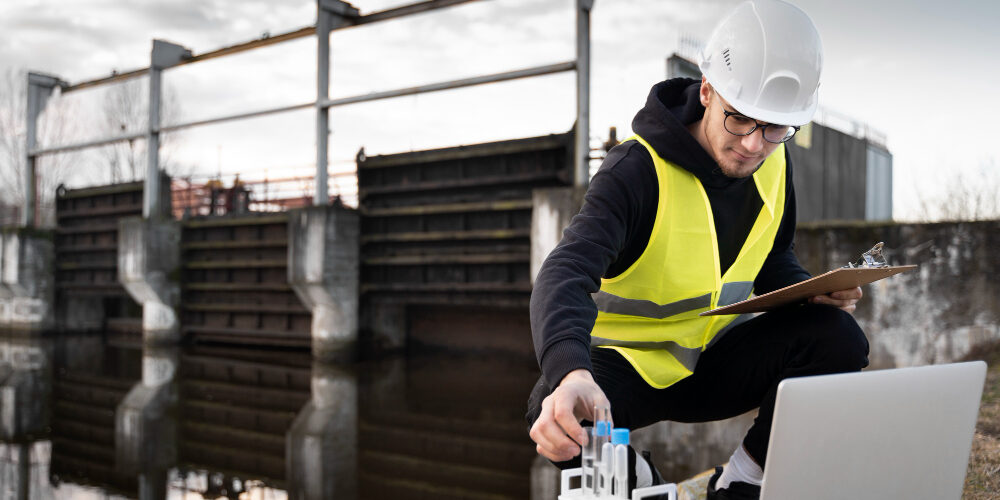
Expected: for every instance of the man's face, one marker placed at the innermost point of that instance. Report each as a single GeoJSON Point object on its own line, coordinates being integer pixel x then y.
{"type": "Point", "coordinates": [737, 156]}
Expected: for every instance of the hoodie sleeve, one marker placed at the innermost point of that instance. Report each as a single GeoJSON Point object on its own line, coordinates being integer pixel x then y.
{"type": "Point", "coordinates": [562, 311]}
{"type": "Point", "coordinates": [782, 268]}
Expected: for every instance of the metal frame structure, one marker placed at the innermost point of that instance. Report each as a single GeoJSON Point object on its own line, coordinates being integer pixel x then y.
{"type": "Point", "coordinates": [331, 15]}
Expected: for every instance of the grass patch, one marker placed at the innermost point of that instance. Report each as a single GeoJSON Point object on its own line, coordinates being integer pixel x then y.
{"type": "Point", "coordinates": [982, 481]}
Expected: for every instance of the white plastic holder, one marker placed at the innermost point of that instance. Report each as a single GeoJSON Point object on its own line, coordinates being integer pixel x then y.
{"type": "Point", "coordinates": [569, 493]}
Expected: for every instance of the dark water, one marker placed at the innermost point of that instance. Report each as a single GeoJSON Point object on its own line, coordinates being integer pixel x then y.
{"type": "Point", "coordinates": [85, 417]}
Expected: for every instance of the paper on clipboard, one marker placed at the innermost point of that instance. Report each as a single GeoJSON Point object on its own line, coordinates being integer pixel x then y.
{"type": "Point", "coordinates": [839, 279]}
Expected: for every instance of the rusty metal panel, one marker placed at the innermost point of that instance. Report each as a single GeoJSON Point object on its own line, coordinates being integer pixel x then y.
{"type": "Point", "coordinates": [452, 226]}
{"type": "Point", "coordinates": [235, 285]}
{"type": "Point", "coordinates": [86, 245]}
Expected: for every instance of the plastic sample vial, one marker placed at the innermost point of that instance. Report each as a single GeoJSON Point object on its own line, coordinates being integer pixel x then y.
{"type": "Point", "coordinates": [620, 440]}
{"type": "Point", "coordinates": [587, 461]}
{"type": "Point", "coordinates": [602, 436]}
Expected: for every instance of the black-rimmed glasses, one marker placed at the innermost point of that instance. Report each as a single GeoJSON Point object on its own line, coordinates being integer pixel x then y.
{"type": "Point", "coordinates": [741, 125]}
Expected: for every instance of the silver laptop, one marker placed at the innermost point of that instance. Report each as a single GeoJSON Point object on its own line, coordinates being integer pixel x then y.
{"type": "Point", "coordinates": [886, 434]}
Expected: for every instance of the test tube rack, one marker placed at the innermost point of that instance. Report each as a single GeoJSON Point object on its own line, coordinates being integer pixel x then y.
{"type": "Point", "coordinates": [567, 492]}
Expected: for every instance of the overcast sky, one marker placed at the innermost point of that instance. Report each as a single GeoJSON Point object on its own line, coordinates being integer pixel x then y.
{"type": "Point", "coordinates": [923, 72]}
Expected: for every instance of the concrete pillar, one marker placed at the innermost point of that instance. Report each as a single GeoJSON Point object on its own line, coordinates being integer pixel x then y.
{"type": "Point", "coordinates": [322, 444]}
{"type": "Point", "coordinates": [148, 268]}
{"type": "Point", "coordinates": [145, 421]}
{"type": "Point", "coordinates": [25, 385]}
{"type": "Point", "coordinates": [552, 209]}
{"type": "Point", "coordinates": [28, 278]}
{"type": "Point", "coordinates": [323, 269]}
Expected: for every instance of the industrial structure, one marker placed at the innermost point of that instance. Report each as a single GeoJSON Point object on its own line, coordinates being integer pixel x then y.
{"type": "Point", "coordinates": [438, 249]}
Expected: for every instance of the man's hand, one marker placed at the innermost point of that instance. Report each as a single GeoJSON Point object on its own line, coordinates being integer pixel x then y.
{"type": "Point", "coordinates": [557, 431]}
{"type": "Point", "coordinates": [844, 299]}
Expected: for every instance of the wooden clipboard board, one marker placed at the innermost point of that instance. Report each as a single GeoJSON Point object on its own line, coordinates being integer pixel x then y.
{"type": "Point", "coordinates": [831, 281]}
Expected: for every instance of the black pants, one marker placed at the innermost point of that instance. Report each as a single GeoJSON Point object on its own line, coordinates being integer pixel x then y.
{"type": "Point", "coordinates": [737, 374]}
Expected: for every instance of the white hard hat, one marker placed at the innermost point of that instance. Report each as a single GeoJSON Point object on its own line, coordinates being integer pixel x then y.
{"type": "Point", "coordinates": [765, 59]}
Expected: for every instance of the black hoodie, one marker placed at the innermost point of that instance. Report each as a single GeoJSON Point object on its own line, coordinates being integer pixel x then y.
{"type": "Point", "coordinates": [613, 227]}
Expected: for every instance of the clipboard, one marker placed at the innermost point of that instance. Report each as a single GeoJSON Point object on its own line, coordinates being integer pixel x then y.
{"type": "Point", "coordinates": [838, 279]}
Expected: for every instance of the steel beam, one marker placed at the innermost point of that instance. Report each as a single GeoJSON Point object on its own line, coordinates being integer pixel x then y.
{"type": "Point", "coordinates": [164, 55]}
{"type": "Point", "coordinates": [453, 84]}
{"type": "Point", "coordinates": [384, 15]}
{"type": "Point", "coordinates": [581, 157]}
{"type": "Point", "coordinates": [88, 144]}
{"type": "Point", "coordinates": [330, 14]}
{"type": "Point", "coordinates": [40, 88]}
{"type": "Point", "coordinates": [238, 116]}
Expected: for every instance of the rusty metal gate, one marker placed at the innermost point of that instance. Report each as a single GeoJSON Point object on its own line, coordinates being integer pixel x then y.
{"type": "Point", "coordinates": [235, 282]}
{"type": "Point", "coordinates": [451, 227]}
{"type": "Point", "coordinates": [86, 247]}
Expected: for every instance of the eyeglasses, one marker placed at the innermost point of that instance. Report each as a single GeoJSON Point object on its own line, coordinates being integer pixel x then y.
{"type": "Point", "coordinates": [741, 125]}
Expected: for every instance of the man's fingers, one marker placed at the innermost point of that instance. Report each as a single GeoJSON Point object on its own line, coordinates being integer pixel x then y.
{"type": "Point", "coordinates": [566, 419]}
{"type": "Point", "coordinates": [854, 293]}
{"type": "Point", "coordinates": [552, 455]}
{"type": "Point", "coordinates": [545, 446]}
{"type": "Point", "coordinates": [550, 436]}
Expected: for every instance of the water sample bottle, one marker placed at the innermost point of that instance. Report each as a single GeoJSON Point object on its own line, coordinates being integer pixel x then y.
{"type": "Point", "coordinates": [620, 439]}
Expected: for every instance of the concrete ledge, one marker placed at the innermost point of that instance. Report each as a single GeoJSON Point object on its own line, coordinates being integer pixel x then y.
{"type": "Point", "coordinates": [323, 269]}
{"type": "Point", "coordinates": [148, 268]}
{"type": "Point", "coordinates": [552, 210]}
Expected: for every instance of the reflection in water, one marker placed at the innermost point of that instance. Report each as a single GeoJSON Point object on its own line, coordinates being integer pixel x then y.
{"type": "Point", "coordinates": [90, 419]}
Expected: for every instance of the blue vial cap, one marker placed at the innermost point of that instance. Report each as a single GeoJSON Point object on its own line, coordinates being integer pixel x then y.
{"type": "Point", "coordinates": [619, 436]}
{"type": "Point", "coordinates": [601, 428]}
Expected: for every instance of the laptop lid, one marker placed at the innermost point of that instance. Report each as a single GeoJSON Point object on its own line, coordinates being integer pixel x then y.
{"type": "Point", "coordinates": [902, 433]}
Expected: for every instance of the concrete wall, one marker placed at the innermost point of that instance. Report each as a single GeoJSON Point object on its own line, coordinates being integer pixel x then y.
{"type": "Point", "coordinates": [934, 314]}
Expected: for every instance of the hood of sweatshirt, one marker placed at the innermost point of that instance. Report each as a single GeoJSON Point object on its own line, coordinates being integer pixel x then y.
{"type": "Point", "coordinates": [662, 122]}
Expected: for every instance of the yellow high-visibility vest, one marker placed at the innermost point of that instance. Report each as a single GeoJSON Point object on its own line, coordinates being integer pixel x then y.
{"type": "Point", "coordinates": [649, 313]}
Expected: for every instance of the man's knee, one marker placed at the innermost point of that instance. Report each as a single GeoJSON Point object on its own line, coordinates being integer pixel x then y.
{"type": "Point", "coordinates": [836, 337]}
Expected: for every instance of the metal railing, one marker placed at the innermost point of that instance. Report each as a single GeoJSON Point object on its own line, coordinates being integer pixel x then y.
{"type": "Point", "coordinates": [331, 15]}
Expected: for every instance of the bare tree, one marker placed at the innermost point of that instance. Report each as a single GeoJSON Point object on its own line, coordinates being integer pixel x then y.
{"type": "Point", "coordinates": [126, 110]}
{"type": "Point", "coordinates": [963, 195]}
{"type": "Point", "coordinates": [55, 125]}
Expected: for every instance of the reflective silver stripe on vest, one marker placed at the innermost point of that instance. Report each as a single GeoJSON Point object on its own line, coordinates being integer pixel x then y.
{"type": "Point", "coordinates": [734, 292]}
{"type": "Point", "coordinates": [687, 356]}
{"type": "Point", "coordinates": [614, 304]}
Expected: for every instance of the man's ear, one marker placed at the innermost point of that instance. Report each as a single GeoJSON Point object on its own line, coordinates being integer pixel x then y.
{"type": "Point", "coordinates": [706, 92]}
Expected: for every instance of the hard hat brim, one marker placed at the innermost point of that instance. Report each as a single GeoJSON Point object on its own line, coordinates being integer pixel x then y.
{"type": "Point", "coordinates": [797, 118]}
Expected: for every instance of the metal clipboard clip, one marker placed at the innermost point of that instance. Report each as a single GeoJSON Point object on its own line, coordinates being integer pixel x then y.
{"type": "Point", "coordinates": [871, 258]}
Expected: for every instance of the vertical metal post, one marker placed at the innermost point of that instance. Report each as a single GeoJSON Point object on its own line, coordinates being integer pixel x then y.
{"type": "Point", "coordinates": [581, 157]}
{"type": "Point", "coordinates": [330, 14]}
{"type": "Point", "coordinates": [28, 211]}
{"type": "Point", "coordinates": [163, 56]}
{"type": "Point", "coordinates": [39, 89]}
{"type": "Point", "coordinates": [323, 25]}
{"type": "Point", "coordinates": [151, 189]}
